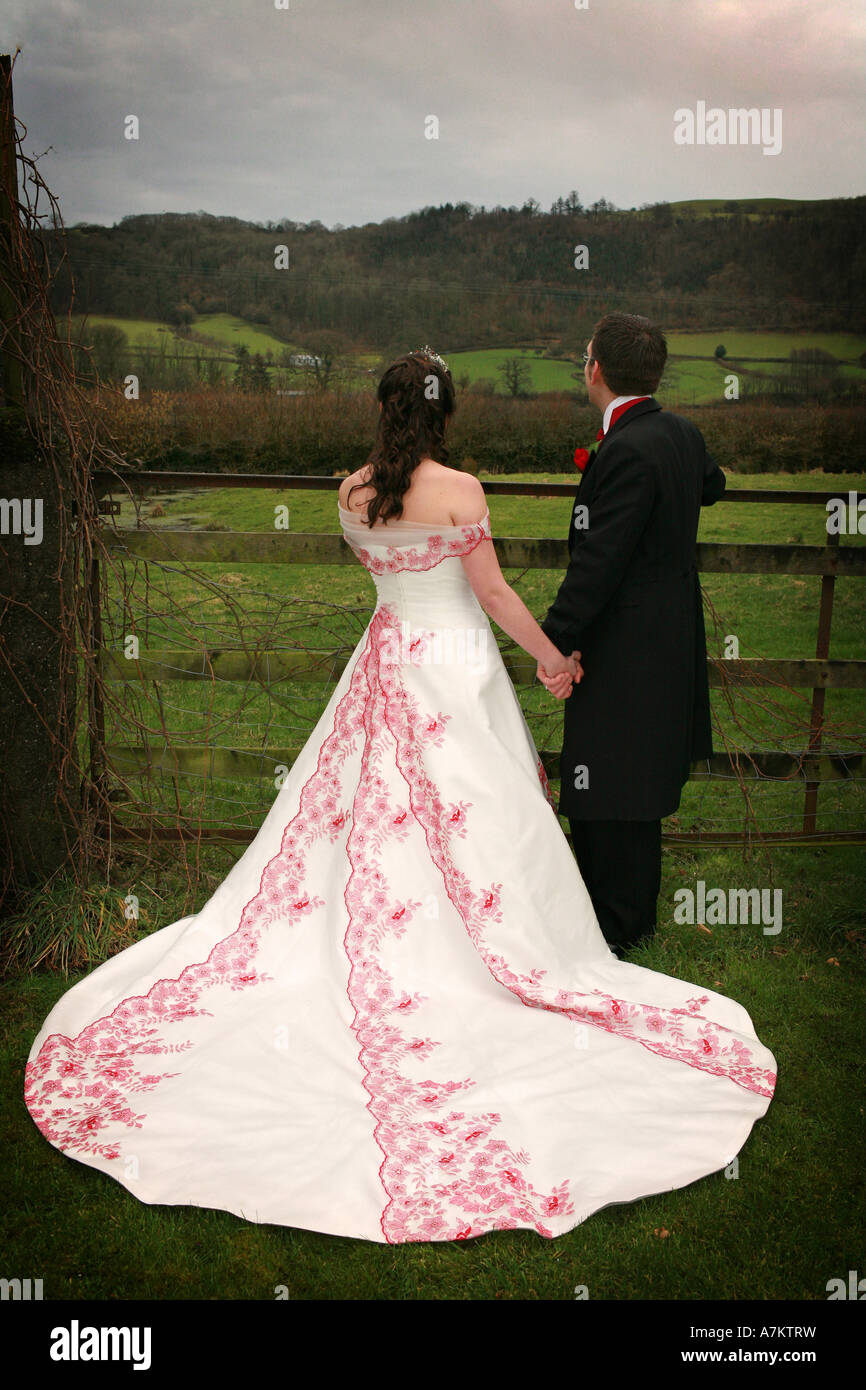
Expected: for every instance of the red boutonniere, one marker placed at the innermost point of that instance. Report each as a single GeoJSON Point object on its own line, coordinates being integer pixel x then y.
{"type": "Point", "coordinates": [583, 456]}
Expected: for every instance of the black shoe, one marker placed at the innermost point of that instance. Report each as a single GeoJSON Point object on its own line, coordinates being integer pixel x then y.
{"type": "Point", "coordinates": [644, 940]}
{"type": "Point", "coordinates": [621, 948]}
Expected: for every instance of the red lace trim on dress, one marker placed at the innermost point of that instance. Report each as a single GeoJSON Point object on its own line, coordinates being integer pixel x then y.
{"type": "Point", "coordinates": [414, 1211]}
{"type": "Point", "coordinates": [545, 783]}
{"type": "Point", "coordinates": [446, 1173]}
{"type": "Point", "coordinates": [688, 1036]}
{"type": "Point", "coordinates": [79, 1087]}
{"type": "Point", "coordinates": [436, 549]}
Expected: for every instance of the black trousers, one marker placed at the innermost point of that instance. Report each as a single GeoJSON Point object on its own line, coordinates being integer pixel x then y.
{"type": "Point", "coordinates": [620, 862]}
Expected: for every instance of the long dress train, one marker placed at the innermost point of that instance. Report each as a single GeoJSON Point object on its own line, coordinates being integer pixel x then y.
{"type": "Point", "coordinates": [397, 1017]}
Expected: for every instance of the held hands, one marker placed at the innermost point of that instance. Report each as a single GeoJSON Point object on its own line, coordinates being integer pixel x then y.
{"type": "Point", "coordinates": [561, 675]}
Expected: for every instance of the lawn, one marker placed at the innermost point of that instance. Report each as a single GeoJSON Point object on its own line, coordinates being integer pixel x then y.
{"type": "Point", "coordinates": [139, 332]}
{"type": "Point", "coordinates": [692, 377]}
{"type": "Point", "coordinates": [545, 374]}
{"type": "Point", "coordinates": [230, 331]}
{"type": "Point", "coordinates": [758, 207]}
{"type": "Point", "coordinates": [780, 1229]}
{"type": "Point", "coordinates": [847, 347]}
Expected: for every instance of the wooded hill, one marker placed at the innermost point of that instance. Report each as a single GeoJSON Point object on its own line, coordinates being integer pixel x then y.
{"type": "Point", "coordinates": [459, 276]}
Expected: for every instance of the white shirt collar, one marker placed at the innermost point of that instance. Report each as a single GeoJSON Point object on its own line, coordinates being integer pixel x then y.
{"type": "Point", "coordinates": [618, 400]}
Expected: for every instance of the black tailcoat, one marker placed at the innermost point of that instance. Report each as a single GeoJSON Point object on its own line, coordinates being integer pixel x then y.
{"type": "Point", "coordinates": [630, 602]}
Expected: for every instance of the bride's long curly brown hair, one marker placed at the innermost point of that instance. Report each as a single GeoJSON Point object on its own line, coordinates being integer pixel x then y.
{"type": "Point", "coordinates": [417, 397]}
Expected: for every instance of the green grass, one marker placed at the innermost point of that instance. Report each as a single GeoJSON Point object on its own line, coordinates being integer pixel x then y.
{"type": "Point", "coordinates": [272, 604]}
{"type": "Point", "coordinates": [233, 332]}
{"type": "Point", "coordinates": [139, 332]}
{"type": "Point", "coordinates": [218, 330]}
{"type": "Point", "coordinates": [759, 207]}
{"type": "Point", "coordinates": [210, 335]}
{"type": "Point", "coordinates": [218, 335]}
{"type": "Point", "coordinates": [772, 616]}
{"type": "Point", "coordinates": [691, 379]}
{"type": "Point", "coordinates": [780, 1230]}
{"type": "Point", "coordinates": [546, 374]}
{"type": "Point", "coordinates": [846, 346]}
{"type": "Point", "coordinates": [688, 379]}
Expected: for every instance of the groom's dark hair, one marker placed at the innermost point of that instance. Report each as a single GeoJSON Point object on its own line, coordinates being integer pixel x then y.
{"type": "Point", "coordinates": [631, 352]}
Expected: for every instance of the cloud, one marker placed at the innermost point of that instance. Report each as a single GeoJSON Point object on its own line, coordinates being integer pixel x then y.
{"type": "Point", "coordinates": [318, 111]}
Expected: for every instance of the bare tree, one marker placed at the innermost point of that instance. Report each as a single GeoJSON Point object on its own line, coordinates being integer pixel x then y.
{"type": "Point", "coordinates": [515, 376]}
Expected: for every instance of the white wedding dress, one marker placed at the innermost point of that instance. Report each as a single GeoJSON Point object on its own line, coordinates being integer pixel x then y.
{"type": "Point", "coordinates": [397, 1017]}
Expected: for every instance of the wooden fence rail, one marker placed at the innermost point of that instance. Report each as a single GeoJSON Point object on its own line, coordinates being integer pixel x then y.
{"type": "Point", "coordinates": [513, 552]}
{"type": "Point", "coordinates": [286, 663]}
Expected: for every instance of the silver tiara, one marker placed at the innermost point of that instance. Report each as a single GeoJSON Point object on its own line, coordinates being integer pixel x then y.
{"type": "Point", "coordinates": [427, 351]}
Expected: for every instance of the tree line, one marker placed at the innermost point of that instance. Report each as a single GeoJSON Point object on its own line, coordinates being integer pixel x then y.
{"type": "Point", "coordinates": [460, 276]}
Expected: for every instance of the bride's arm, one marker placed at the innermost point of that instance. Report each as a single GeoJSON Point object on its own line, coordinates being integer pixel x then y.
{"type": "Point", "coordinates": [497, 598]}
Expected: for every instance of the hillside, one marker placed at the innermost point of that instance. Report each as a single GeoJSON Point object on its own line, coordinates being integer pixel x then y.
{"type": "Point", "coordinates": [466, 277]}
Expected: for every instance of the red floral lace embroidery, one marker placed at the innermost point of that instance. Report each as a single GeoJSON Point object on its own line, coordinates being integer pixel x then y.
{"type": "Point", "coordinates": [415, 1211]}
{"type": "Point", "coordinates": [78, 1087]}
{"type": "Point", "coordinates": [446, 1173]}
{"type": "Point", "coordinates": [436, 549]}
{"type": "Point", "coordinates": [688, 1036]}
{"type": "Point", "coordinates": [545, 783]}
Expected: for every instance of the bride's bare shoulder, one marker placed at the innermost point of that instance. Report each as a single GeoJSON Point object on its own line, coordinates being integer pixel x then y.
{"type": "Point", "coordinates": [438, 495]}
{"type": "Point", "coordinates": [466, 500]}
{"type": "Point", "coordinates": [447, 493]}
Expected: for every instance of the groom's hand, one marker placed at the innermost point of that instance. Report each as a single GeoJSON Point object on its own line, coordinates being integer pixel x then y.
{"type": "Point", "coordinates": [560, 684]}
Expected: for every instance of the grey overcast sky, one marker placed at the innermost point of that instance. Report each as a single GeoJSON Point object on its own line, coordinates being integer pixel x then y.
{"type": "Point", "coordinates": [317, 110]}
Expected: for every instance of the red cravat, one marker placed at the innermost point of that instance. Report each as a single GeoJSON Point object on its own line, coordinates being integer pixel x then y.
{"type": "Point", "coordinates": [582, 456]}
{"type": "Point", "coordinates": [620, 410]}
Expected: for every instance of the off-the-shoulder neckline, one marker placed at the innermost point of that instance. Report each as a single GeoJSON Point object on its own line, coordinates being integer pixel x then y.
{"type": "Point", "coordinates": [423, 525]}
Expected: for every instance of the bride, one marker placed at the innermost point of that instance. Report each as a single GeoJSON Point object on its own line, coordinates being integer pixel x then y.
{"type": "Point", "coordinates": [397, 1017]}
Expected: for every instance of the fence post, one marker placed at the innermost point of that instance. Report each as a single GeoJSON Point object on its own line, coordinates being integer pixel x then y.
{"type": "Point", "coordinates": [95, 700]}
{"type": "Point", "coordinates": [816, 723]}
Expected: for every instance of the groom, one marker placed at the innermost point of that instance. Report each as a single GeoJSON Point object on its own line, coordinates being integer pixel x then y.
{"type": "Point", "coordinates": [630, 608]}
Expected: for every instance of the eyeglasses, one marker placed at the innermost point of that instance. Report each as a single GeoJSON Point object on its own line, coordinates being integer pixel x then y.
{"type": "Point", "coordinates": [587, 359]}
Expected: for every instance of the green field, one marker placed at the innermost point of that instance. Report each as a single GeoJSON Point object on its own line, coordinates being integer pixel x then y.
{"type": "Point", "coordinates": [804, 990]}
{"type": "Point", "coordinates": [729, 1240]}
{"type": "Point", "coordinates": [772, 616]}
{"type": "Point", "coordinates": [139, 332]}
{"type": "Point", "coordinates": [211, 335]}
{"type": "Point", "coordinates": [232, 332]}
{"type": "Point", "coordinates": [546, 374]}
{"type": "Point", "coordinates": [692, 377]}
{"type": "Point", "coordinates": [213, 332]}
{"type": "Point", "coordinates": [219, 336]}
{"type": "Point", "coordinates": [712, 207]}
{"type": "Point", "coordinates": [689, 379]}
{"type": "Point", "coordinates": [848, 347]}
